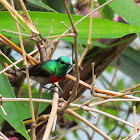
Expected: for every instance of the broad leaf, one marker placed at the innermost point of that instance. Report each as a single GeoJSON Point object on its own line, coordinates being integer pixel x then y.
{"type": "Point", "coordinates": [41, 4]}
{"type": "Point", "coordinates": [130, 10]}
{"type": "Point", "coordinates": [13, 116]}
{"type": "Point", "coordinates": [101, 28]}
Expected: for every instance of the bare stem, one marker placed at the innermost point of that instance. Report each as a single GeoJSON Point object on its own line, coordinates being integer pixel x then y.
{"type": "Point", "coordinates": [72, 129]}
{"type": "Point", "coordinates": [31, 106]}
{"type": "Point", "coordinates": [38, 104]}
{"type": "Point", "coordinates": [99, 90]}
{"type": "Point", "coordinates": [116, 69]}
{"type": "Point", "coordinates": [16, 48]}
{"type": "Point", "coordinates": [16, 32]}
{"type": "Point", "coordinates": [10, 66]}
{"type": "Point", "coordinates": [97, 122]}
{"type": "Point", "coordinates": [9, 60]}
{"type": "Point", "coordinates": [69, 111]}
{"type": "Point", "coordinates": [74, 91]}
{"type": "Point", "coordinates": [106, 114]}
{"type": "Point", "coordinates": [27, 75]}
{"type": "Point", "coordinates": [25, 10]}
{"type": "Point", "coordinates": [88, 15]}
{"type": "Point", "coordinates": [135, 119]}
{"type": "Point", "coordinates": [89, 35]}
{"type": "Point", "coordinates": [3, 136]}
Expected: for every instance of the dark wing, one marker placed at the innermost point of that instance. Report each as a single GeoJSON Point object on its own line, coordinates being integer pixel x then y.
{"type": "Point", "coordinates": [37, 70]}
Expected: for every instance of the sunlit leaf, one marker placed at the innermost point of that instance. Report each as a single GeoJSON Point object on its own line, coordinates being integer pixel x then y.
{"type": "Point", "coordinates": [101, 28]}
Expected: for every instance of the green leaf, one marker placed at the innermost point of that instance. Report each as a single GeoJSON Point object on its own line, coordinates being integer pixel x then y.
{"type": "Point", "coordinates": [13, 116]}
{"type": "Point", "coordinates": [41, 4]}
{"type": "Point", "coordinates": [1, 119]}
{"type": "Point", "coordinates": [108, 12]}
{"type": "Point", "coordinates": [101, 28]}
{"type": "Point", "coordinates": [3, 59]}
{"type": "Point", "coordinates": [75, 134]}
{"type": "Point", "coordinates": [127, 9]}
{"type": "Point", "coordinates": [120, 85]}
{"type": "Point", "coordinates": [58, 5]}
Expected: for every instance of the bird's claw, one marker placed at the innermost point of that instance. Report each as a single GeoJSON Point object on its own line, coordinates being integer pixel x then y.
{"type": "Point", "coordinates": [52, 89]}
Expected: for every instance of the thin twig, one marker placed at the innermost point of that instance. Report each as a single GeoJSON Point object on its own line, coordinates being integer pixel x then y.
{"type": "Point", "coordinates": [4, 99]}
{"type": "Point", "coordinates": [38, 104]}
{"type": "Point", "coordinates": [72, 129]}
{"type": "Point", "coordinates": [66, 26]}
{"type": "Point", "coordinates": [18, 61]}
{"type": "Point", "coordinates": [135, 136]}
{"type": "Point", "coordinates": [33, 136]}
{"type": "Point", "coordinates": [16, 33]}
{"type": "Point", "coordinates": [135, 127]}
{"type": "Point", "coordinates": [40, 118]}
{"type": "Point", "coordinates": [131, 88]}
{"type": "Point", "coordinates": [112, 100]}
{"type": "Point", "coordinates": [99, 90]}
{"type": "Point", "coordinates": [92, 114]}
{"type": "Point", "coordinates": [26, 12]}
{"type": "Point", "coordinates": [88, 15]}
{"type": "Point", "coordinates": [103, 113]}
{"type": "Point", "coordinates": [135, 119]}
{"type": "Point", "coordinates": [74, 91]}
{"type": "Point", "coordinates": [16, 48]}
{"type": "Point", "coordinates": [51, 28]}
{"type": "Point", "coordinates": [70, 35]}
{"type": "Point", "coordinates": [116, 69]}
{"type": "Point", "coordinates": [89, 35]}
{"type": "Point", "coordinates": [3, 110]}
{"type": "Point", "coordinates": [97, 122]}
{"type": "Point", "coordinates": [56, 41]}
{"type": "Point", "coordinates": [69, 111]}
{"type": "Point", "coordinates": [4, 137]}
{"type": "Point", "coordinates": [93, 75]}
{"type": "Point", "coordinates": [9, 60]}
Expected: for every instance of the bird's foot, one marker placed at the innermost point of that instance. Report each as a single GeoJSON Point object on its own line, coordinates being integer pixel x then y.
{"type": "Point", "coordinates": [52, 89]}
{"type": "Point", "coordinates": [62, 100]}
{"type": "Point", "coordinates": [57, 86]}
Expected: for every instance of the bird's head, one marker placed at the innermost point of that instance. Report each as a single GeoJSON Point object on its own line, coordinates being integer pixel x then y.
{"type": "Point", "coordinates": [64, 61]}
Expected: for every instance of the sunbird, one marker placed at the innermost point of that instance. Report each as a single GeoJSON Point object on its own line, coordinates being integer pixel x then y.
{"type": "Point", "coordinates": [50, 71]}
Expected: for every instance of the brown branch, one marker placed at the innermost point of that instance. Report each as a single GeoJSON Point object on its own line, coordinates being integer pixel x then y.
{"type": "Point", "coordinates": [108, 55]}
{"type": "Point", "coordinates": [16, 48]}
{"type": "Point", "coordinates": [99, 90]}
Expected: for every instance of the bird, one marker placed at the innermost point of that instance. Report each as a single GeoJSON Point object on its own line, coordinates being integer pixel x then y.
{"type": "Point", "coordinates": [50, 71]}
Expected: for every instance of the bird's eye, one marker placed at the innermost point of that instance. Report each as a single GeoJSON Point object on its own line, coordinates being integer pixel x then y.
{"type": "Point", "coordinates": [62, 62]}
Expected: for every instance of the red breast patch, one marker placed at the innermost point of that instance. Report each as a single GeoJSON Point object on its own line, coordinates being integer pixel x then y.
{"type": "Point", "coordinates": [55, 79]}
